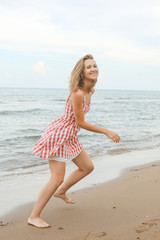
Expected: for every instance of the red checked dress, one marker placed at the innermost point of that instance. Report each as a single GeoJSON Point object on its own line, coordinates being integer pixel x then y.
{"type": "Point", "coordinates": [59, 141]}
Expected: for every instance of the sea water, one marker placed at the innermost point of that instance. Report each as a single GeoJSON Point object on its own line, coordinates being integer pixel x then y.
{"type": "Point", "coordinates": [25, 113]}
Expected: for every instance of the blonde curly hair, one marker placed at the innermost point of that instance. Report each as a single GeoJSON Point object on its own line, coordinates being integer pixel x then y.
{"type": "Point", "coordinates": [76, 79]}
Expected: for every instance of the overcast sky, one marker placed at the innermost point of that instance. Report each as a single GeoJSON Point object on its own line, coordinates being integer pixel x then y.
{"type": "Point", "coordinates": [41, 41]}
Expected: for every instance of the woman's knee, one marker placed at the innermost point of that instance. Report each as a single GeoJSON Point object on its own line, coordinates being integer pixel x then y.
{"type": "Point", "coordinates": [89, 168]}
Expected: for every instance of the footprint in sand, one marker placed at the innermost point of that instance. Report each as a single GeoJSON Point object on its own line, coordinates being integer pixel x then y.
{"type": "Point", "coordinates": [92, 236]}
{"type": "Point", "coordinates": [138, 169]}
{"type": "Point", "coordinates": [134, 169]}
{"type": "Point", "coordinates": [150, 225]}
{"type": "Point", "coordinates": [135, 177]}
{"type": "Point", "coordinates": [154, 165]}
{"type": "Point", "coordinates": [3, 224]}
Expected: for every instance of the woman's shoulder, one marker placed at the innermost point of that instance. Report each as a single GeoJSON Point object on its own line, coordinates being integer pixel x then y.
{"type": "Point", "coordinates": [78, 95]}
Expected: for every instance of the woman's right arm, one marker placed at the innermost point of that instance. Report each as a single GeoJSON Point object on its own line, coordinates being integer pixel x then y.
{"type": "Point", "coordinates": [77, 102]}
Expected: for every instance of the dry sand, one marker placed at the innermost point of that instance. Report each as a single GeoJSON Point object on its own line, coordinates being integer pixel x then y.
{"type": "Point", "coordinates": [127, 208]}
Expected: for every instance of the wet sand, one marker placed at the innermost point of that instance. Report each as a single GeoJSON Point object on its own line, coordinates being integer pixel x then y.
{"type": "Point", "coordinates": [126, 208]}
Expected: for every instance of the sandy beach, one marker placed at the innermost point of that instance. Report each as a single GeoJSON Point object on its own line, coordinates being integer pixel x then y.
{"type": "Point", "coordinates": [126, 208]}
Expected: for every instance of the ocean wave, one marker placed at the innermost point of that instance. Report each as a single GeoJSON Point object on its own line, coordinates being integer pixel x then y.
{"type": "Point", "coordinates": [109, 98]}
{"type": "Point", "coordinates": [14, 112]}
{"type": "Point", "coordinates": [126, 145]}
{"type": "Point", "coordinates": [15, 140]}
{"type": "Point", "coordinates": [59, 100]}
{"type": "Point", "coordinates": [31, 137]}
{"type": "Point", "coordinates": [125, 98]}
{"type": "Point", "coordinates": [120, 151]}
{"type": "Point", "coordinates": [125, 150]}
{"type": "Point", "coordinates": [21, 170]}
{"type": "Point", "coordinates": [29, 130]}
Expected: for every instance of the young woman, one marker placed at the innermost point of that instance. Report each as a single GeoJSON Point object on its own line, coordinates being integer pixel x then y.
{"type": "Point", "coordinates": [59, 142]}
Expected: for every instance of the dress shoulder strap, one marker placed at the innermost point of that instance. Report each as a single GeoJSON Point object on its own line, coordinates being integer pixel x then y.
{"type": "Point", "coordinates": [84, 99]}
{"type": "Point", "coordinates": [68, 97]}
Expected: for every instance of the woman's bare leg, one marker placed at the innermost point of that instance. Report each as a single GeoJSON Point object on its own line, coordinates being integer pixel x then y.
{"type": "Point", "coordinates": [57, 176]}
{"type": "Point", "coordinates": [85, 166]}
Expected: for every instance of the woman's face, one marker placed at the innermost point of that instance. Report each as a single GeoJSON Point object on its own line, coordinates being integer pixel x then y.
{"type": "Point", "coordinates": [90, 70]}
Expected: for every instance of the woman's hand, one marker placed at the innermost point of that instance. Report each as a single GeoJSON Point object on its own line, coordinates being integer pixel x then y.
{"type": "Point", "coordinates": [112, 135]}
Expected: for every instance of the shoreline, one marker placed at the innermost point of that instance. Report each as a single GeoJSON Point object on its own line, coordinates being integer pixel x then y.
{"type": "Point", "coordinates": [125, 206]}
{"type": "Point", "coordinates": [107, 168]}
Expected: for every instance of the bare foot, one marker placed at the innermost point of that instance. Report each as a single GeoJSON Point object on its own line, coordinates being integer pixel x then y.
{"type": "Point", "coordinates": [64, 197]}
{"type": "Point", "coordinates": [38, 222]}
